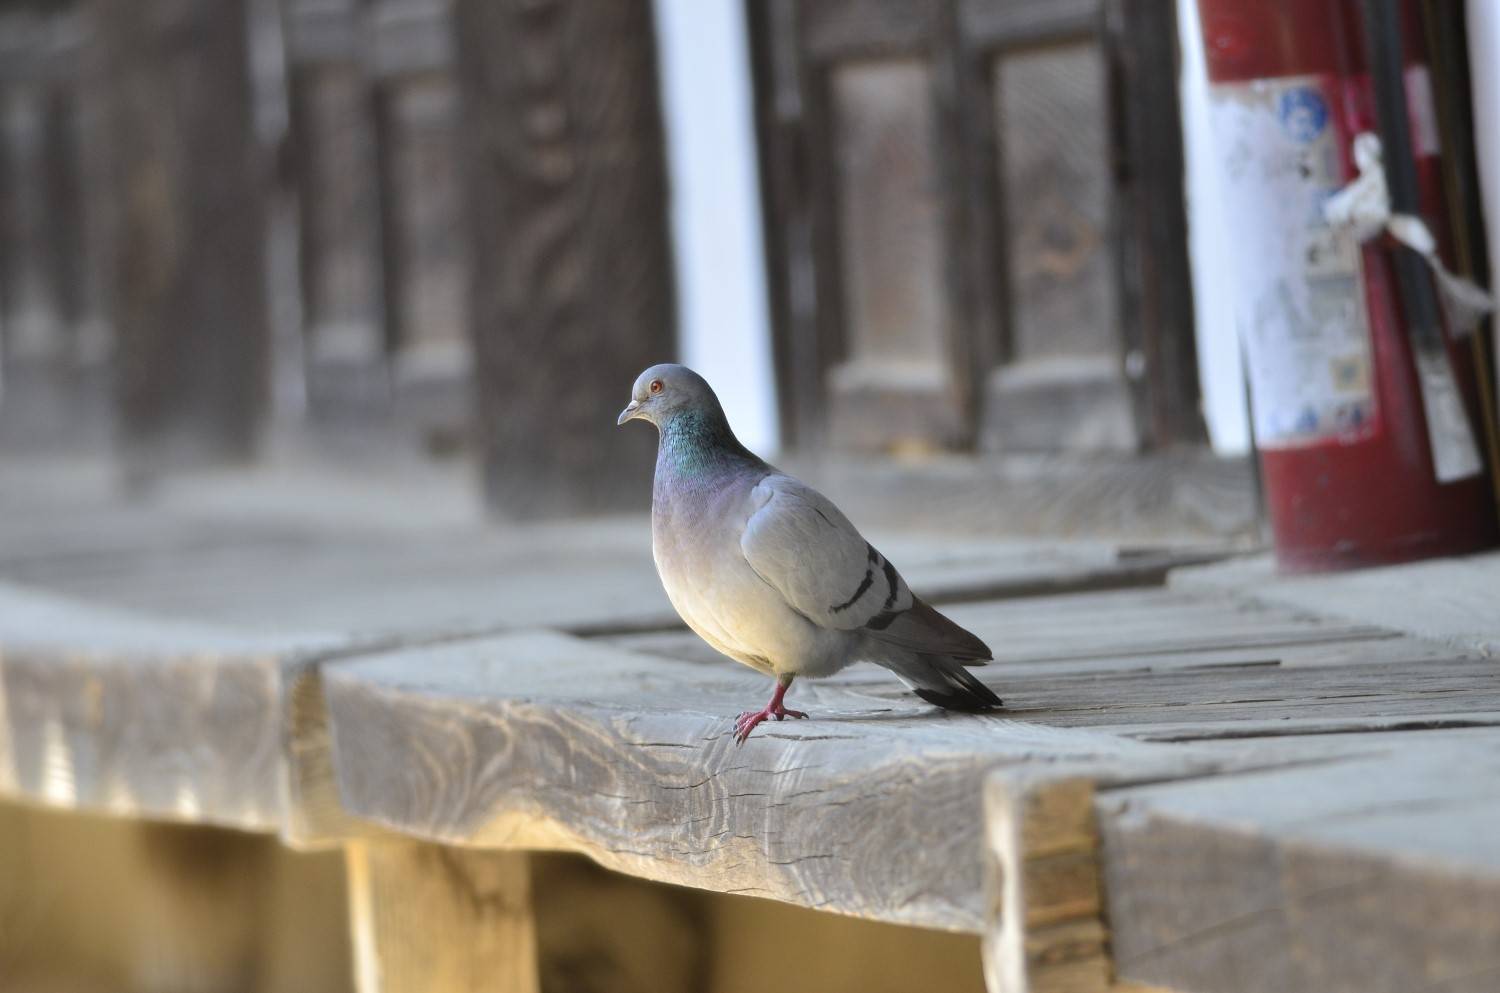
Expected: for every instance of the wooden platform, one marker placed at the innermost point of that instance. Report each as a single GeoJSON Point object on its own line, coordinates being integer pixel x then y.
{"type": "Point", "coordinates": [1201, 787]}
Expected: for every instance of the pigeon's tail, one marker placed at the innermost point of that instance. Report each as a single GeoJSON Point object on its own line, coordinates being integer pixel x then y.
{"type": "Point", "coordinates": [944, 681]}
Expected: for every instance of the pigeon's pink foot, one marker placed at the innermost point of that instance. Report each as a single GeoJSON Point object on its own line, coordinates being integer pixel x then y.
{"type": "Point", "coordinates": [748, 721]}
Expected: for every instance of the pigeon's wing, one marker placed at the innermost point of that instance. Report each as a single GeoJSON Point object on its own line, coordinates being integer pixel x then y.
{"type": "Point", "coordinates": [806, 549]}
{"type": "Point", "coordinates": [799, 543]}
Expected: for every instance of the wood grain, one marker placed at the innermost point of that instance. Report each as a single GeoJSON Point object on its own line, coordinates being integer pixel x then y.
{"type": "Point", "coordinates": [428, 919]}
{"type": "Point", "coordinates": [1163, 665]}
{"type": "Point", "coordinates": [133, 715]}
{"type": "Point", "coordinates": [542, 741]}
{"type": "Point", "coordinates": [1045, 932]}
{"type": "Point", "coordinates": [537, 740]}
{"type": "Point", "coordinates": [163, 607]}
{"type": "Point", "coordinates": [1374, 874]}
{"type": "Point", "coordinates": [355, 563]}
{"type": "Point", "coordinates": [1269, 780]}
{"type": "Point", "coordinates": [175, 737]}
{"type": "Point", "coordinates": [1448, 600]}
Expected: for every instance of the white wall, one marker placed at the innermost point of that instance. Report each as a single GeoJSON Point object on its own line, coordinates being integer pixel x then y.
{"type": "Point", "coordinates": [1219, 364]}
{"type": "Point", "coordinates": [724, 328]}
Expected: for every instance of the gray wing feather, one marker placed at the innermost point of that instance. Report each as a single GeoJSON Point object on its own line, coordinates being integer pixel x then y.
{"type": "Point", "coordinates": [801, 545]}
{"type": "Point", "coordinates": [804, 548]}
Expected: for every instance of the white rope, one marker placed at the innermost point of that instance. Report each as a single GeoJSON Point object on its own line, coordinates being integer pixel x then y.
{"type": "Point", "coordinates": [1363, 208]}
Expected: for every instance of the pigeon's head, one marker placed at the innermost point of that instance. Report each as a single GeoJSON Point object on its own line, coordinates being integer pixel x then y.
{"type": "Point", "coordinates": [663, 391]}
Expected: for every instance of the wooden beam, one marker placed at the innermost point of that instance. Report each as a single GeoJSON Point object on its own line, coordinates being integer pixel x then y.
{"type": "Point", "coordinates": [134, 715]}
{"type": "Point", "coordinates": [429, 919]}
{"type": "Point", "coordinates": [572, 281]}
{"type": "Point", "coordinates": [44, 278]}
{"type": "Point", "coordinates": [1448, 600]}
{"type": "Point", "coordinates": [1159, 324]}
{"type": "Point", "coordinates": [1045, 932]}
{"type": "Point", "coordinates": [1373, 873]}
{"type": "Point", "coordinates": [333, 136]}
{"type": "Point", "coordinates": [189, 258]}
{"type": "Point", "coordinates": [539, 741]}
{"type": "Point", "coordinates": [426, 248]}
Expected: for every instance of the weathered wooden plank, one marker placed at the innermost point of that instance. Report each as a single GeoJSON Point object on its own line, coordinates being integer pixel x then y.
{"type": "Point", "coordinates": [1045, 932]}
{"type": "Point", "coordinates": [542, 741]}
{"type": "Point", "coordinates": [111, 711]}
{"type": "Point", "coordinates": [1450, 600]}
{"type": "Point", "coordinates": [1377, 874]}
{"type": "Point", "coordinates": [310, 580]}
{"type": "Point", "coordinates": [313, 815]}
{"type": "Point", "coordinates": [1257, 700]}
{"type": "Point", "coordinates": [233, 555]}
{"type": "Point", "coordinates": [1171, 666]}
{"type": "Point", "coordinates": [1297, 649]}
{"type": "Point", "coordinates": [428, 919]}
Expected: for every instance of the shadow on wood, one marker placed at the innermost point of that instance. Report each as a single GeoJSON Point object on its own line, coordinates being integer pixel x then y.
{"type": "Point", "coordinates": [94, 904]}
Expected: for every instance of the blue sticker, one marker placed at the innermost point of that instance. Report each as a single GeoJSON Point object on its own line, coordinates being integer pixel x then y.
{"type": "Point", "coordinates": [1303, 113]}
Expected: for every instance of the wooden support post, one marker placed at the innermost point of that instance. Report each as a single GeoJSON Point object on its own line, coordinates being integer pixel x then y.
{"type": "Point", "coordinates": [1045, 932]}
{"type": "Point", "coordinates": [105, 903]}
{"type": "Point", "coordinates": [572, 280]}
{"type": "Point", "coordinates": [37, 50]}
{"type": "Point", "coordinates": [423, 217]}
{"type": "Point", "coordinates": [334, 161]}
{"type": "Point", "coordinates": [50, 294]}
{"type": "Point", "coordinates": [1158, 326]}
{"type": "Point", "coordinates": [189, 259]}
{"type": "Point", "coordinates": [30, 294]}
{"type": "Point", "coordinates": [430, 919]}
{"type": "Point", "coordinates": [197, 897]}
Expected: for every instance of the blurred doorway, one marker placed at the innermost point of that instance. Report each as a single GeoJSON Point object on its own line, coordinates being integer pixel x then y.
{"type": "Point", "coordinates": [975, 223]}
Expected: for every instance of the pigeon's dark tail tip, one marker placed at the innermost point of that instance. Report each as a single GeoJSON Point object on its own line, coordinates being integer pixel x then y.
{"type": "Point", "coordinates": [962, 692]}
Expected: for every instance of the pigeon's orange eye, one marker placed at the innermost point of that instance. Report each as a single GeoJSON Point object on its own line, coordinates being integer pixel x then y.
{"type": "Point", "coordinates": [655, 387]}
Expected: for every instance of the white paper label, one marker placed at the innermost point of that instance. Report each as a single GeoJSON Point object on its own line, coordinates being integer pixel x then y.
{"type": "Point", "coordinates": [1299, 301]}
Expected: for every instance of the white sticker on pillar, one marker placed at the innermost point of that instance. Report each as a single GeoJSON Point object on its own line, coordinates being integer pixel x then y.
{"type": "Point", "coordinates": [1299, 299]}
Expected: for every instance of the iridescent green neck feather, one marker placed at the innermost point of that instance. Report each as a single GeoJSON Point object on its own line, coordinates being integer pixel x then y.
{"type": "Point", "coordinates": [698, 444]}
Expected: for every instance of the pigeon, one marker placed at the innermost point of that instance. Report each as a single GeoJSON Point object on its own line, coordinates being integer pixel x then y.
{"type": "Point", "coordinates": [769, 572]}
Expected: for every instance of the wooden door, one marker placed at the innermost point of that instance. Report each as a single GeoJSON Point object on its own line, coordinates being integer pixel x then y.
{"type": "Point", "coordinates": [975, 223]}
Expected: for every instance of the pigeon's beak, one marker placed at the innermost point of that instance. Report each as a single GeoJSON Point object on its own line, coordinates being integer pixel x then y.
{"type": "Point", "coordinates": [629, 412]}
